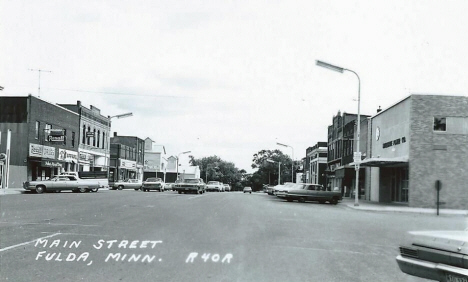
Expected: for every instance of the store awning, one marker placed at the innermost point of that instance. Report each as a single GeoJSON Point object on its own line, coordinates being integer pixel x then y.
{"type": "Point", "coordinates": [382, 162]}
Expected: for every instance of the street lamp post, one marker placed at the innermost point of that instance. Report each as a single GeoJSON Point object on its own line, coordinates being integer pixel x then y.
{"type": "Point", "coordinates": [292, 158]}
{"type": "Point", "coordinates": [279, 169]}
{"type": "Point", "coordinates": [108, 139]}
{"type": "Point", "coordinates": [177, 174]}
{"type": "Point", "coordinates": [357, 153]}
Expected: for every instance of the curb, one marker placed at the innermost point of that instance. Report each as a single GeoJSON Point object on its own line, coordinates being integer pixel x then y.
{"type": "Point", "coordinates": [365, 207]}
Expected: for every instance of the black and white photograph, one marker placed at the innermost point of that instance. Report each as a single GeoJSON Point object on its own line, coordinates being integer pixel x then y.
{"type": "Point", "coordinates": [245, 141]}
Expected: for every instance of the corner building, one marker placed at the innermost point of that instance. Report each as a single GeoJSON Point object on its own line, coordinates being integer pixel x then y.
{"type": "Point", "coordinates": [413, 144]}
{"type": "Point", "coordinates": [44, 138]}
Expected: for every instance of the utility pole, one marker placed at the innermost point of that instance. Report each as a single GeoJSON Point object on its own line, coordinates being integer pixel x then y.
{"type": "Point", "coordinates": [39, 87]}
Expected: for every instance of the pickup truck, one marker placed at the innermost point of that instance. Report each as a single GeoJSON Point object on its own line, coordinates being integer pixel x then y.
{"type": "Point", "coordinates": [61, 183]}
{"type": "Point", "coordinates": [310, 192]}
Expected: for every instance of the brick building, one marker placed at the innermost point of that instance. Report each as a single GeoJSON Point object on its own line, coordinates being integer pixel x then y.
{"type": "Point", "coordinates": [93, 137]}
{"type": "Point", "coordinates": [127, 158]}
{"type": "Point", "coordinates": [315, 164]}
{"type": "Point", "coordinates": [44, 138]}
{"type": "Point", "coordinates": [341, 146]}
{"type": "Point", "coordinates": [414, 143]}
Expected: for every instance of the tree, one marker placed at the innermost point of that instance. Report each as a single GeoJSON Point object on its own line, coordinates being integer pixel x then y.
{"type": "Point", "coordinates": [267, 172]}
{"type": "Point", "coordinates": [213, 168]}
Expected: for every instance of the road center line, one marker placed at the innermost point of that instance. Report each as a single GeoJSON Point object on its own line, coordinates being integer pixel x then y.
{"type": "Point", "coordinates": [48, 223]}
{"type": "Point", "coordinates": [27, 243]}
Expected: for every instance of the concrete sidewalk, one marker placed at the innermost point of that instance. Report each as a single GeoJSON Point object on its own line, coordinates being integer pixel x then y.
{"type": "Point", "coordinates": [391, 207]}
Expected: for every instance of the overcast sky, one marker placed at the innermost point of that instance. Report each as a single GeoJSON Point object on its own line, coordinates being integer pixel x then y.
{"type": "Point", "coordinates": [230, 78]}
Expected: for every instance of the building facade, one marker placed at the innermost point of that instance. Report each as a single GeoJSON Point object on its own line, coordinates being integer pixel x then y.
{"type": "Point", "coordinates": [93, 154]}
{"type": "Point", "coordinates": [155, 161]}
{"type": "Point", "coordinates": [44, 138]}
{"type": "Point", "coordinates": [315, 164]}
{"type": "Point", "coordinates": [341, 145]}
{"type": "Point", "coordinates": [416, 142]}
{"type": "Point", "coordinates": [127, 158]}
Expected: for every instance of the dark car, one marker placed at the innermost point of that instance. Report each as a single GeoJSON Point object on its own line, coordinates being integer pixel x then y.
{"type": "Point", "coordinates": [310, 192]}
{"type": "Point", "coordinates": [436, 255]}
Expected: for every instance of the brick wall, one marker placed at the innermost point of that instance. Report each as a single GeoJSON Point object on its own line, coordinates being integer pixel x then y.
{"type": "Point", "coordinates": [437, 155]}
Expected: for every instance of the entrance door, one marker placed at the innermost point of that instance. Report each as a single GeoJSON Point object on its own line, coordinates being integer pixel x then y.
{"type": "Point", "coordinates": [400, 182]}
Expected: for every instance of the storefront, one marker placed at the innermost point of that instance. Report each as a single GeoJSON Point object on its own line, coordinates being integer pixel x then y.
{"type": "Point", "coordinates": [44, 162]}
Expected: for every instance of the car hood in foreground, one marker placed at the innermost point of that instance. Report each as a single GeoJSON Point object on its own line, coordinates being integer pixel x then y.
{"type": "Point", "coordinates": [452, 241]}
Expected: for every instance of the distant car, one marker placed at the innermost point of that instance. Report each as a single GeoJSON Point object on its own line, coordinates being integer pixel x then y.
{"type": "Point", "coordinates": [310, 192]}
{"type": "Point", "coordinates": [227, 187]}
{"type": "Point", "coordinates": [153, 183]}
{"type": "Point", "coordinates": [127, 184]}
{"type": "Point", "coordinates": [271, 189]}
{"type": "Point", "coordinates": [248, 190]}
{"type": "Point", "coordinates": [436, 255]}
{"type": "Point", "coordinates": [214, 186]}
{"type": "Point", "coordinates": [191, 185]}
{"type": "Point", "coordinates": [168, 186]}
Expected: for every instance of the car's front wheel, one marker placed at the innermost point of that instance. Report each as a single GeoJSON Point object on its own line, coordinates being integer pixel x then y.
{"type": "Point", "coordinates": [40, 189]}
{"type": "Point", "coordinates": [120, 187]}
{"type": "Point", "coordinates": [94, 190]}
{"type": "Point", "coordinates": [83, 190]}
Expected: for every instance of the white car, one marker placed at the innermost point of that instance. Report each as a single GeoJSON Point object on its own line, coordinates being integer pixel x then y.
{"type": "Point", "coordinates": [214, 186]}
{"type": "Point", "coordinates": [127, 184]}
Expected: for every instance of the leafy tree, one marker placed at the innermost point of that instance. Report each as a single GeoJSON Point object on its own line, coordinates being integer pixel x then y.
{"type": "Point", "coordinates": [267, 172]}
{"type": "Point", "coordinates": [213, 168]}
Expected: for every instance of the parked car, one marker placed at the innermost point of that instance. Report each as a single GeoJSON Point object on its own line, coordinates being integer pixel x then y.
{"type": "Point", "coordinates": [310, 192]}
{"type": "Point", "coordinates": [168, 186]}
{"type": "Point", "coordinates": [127, 184]}
{"type": "Point", "coordinates": [436, 255]}
{"type": "Point", "coordinates": [214, 186]}
{"type": "Point", "coordinates": [61, 183]}
{"type": "Point", "coordinates": [286, 187]}
{"type": "Point", "coordinates": [191, 185]}
{"type": "Point", "coordinates": [248, 190]}
{"type": "Point", "coordinates": [227, 187]}
{"type": "Point", "coordinates": [153, 183]}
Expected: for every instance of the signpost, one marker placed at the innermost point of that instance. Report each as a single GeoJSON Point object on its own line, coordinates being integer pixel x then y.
{"type": "Point", "coordinates": [438, 186]}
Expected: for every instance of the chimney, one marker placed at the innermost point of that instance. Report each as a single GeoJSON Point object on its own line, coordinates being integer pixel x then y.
{"type": "Point", "coordinates": [115, 134]}
{"type": "Point", "coordinates": [379, 110]}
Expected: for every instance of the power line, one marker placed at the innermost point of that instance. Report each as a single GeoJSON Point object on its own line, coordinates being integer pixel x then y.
{"type": "Point", "coordinates": [118, 93]}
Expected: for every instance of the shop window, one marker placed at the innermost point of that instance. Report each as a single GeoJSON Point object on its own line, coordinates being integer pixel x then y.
{"type": "Point", "coordinates": [98, 138]}
{"type": "Point", "coordinates": [38, 126]}
{"type": "Point", "coordinates": [440, 124]}
{"type": "Point", "coordinates": [94, 137]}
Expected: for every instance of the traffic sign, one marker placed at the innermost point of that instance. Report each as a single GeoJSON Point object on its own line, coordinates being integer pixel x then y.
{"type": "Point", "coordinates": [357, 157]}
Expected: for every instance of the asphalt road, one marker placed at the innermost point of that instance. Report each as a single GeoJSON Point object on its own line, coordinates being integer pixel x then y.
{"type": "Point", "coordinates": [135, 236]}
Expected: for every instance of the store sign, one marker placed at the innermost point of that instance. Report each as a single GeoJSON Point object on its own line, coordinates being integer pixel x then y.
{"type": "Point", "coordinates": [51, 164]}
{"type": "Point", "coordinates": [35, 150]}
{"type": "Point", "coordinates": [56, 135]}
{"type": "Point", "coordinates": [127, 164]}
{"type": "Point", "coordinates": [68, 156]}
{"type": "Point", "coordinates": [85, 157]}
{"type": "Point", "coordinates": [48, 152]}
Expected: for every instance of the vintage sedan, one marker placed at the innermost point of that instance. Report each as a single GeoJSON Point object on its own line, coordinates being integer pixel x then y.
{"type": "Point", "coordinates": [436, 255]}
{"type": "Point", "coordinates": [127, 184]}
{"type": "Point", "coordinates": [310, 192]}
{"type": "Point", "coordinates": [214, 186]}
{"type": "Point", "coordinates": [191, 185]}
{"type": "Point", "coordinates": [61, 183]}
{"type": "Point", "coordinates": [247, 190]}
{"type": "Point", "coordinates": [153, 183]}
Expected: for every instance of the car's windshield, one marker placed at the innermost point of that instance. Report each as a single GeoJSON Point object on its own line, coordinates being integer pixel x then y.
{"type": "Point", "coordinates": [191, 181]}
{"type": "Point", "coordinates": [213, 182]}
{"type": "Point", "coordinates": [152, 179]}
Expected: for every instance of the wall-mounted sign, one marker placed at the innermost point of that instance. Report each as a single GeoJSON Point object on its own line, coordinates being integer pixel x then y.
{"type": "Point", "coordinates": [68, 156]}
{"type": "Point", "coordinates": [40, 151]}
{"type": "Point", "coordinates": [56, 135]}
{"type": "Point", "coordinates": [51, 164]}
{"type": "Point", "coordinates": [394, 142]}
{"type": "Point", "coordinates": [127, 164]}
{"type": "Point", "coordinates": [89, 134]}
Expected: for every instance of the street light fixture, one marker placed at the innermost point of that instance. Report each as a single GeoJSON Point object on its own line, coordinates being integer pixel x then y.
{"type": "Point", "coordinates": [279, 169]}
{"type": "Point", "coordinates": [178, 163]}
{"type": "Point", "coordinates": [108, 135]}
{"type": "Point", "coordinates": [292, 159]}
{"type": "Point", "coordinates": [357, 153]}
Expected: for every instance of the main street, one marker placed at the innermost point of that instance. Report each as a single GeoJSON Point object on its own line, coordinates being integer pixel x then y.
{"type": "Point", "coordinates": [135, 236]}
